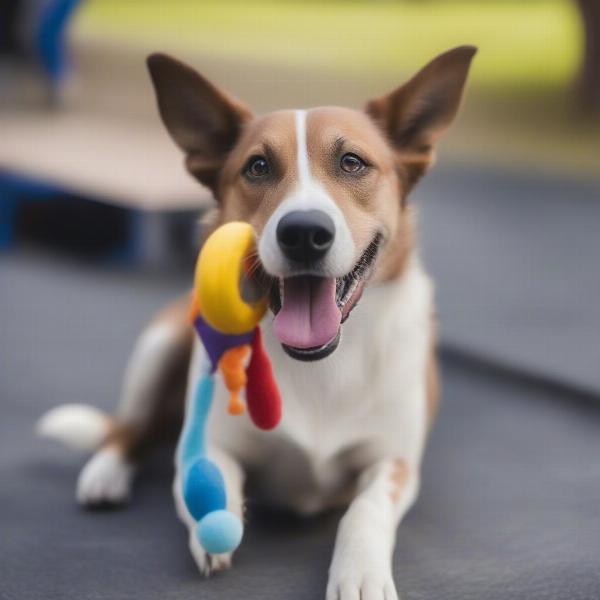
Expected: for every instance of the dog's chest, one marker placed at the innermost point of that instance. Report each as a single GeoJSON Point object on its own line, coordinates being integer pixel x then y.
{"type": "Point", "coordinates": [340, 414]}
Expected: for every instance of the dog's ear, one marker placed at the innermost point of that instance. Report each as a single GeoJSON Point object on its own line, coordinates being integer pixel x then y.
{"type": "Point", "coordinates": [202, 120]}
{"type": "Point", "coordinates": [414, 115]}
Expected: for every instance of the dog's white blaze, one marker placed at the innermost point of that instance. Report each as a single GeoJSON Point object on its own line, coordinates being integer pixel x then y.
{"type": "Point", "coordinates": [302, 149]}
{"type": "Point", "coordinates": [309, 194]}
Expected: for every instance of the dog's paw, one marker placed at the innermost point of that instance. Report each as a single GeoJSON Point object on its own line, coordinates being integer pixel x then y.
{"type": "Point", "coordinates": [208, 563]}
{"type": "Point", "coordinates": [362, 586]}
{"type": "Point", "coordinates": [105, 479]}
{"type": "Point", "coordinates": [360, 571]}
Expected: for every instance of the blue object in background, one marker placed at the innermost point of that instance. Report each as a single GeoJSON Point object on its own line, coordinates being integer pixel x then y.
{"type": "Point", "coordinates": [50, 41]}
{"type": "Point", "coordinates": [12, 189]}
{"type": "Point", "coordinates": [47, 24]}
{"type": "Point", "coordinates": [17, 189]}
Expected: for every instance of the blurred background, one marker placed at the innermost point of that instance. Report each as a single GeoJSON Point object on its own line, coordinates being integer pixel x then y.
{"type": "Point", "coordinates": [98, 220]}
{"type": "Point", "coordinates": [509, 214]}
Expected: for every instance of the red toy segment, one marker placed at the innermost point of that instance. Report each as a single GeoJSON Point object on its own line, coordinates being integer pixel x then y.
{"type": "Point", "coordinates": [262, 393]}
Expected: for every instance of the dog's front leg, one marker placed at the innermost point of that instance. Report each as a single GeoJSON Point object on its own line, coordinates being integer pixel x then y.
{"type": "Point", "coordinates": [361, 568]}
{"type": "Point", "coordinates": [233, 476]}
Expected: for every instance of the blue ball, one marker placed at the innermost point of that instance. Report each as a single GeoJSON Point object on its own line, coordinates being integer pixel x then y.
{"type": "Point", "coordinates": [220, 531]}
{"type": "Point", "coordinates": [204, 488]}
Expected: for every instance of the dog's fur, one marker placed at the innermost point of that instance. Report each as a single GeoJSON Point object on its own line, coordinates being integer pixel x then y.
{"type": "Point", "coordinates": [355, 423]}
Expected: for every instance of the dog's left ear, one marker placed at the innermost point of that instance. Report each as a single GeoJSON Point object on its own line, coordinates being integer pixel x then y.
{"type": "Point", "coordinates": [414, 115]}
{"type": "Point", "coordinates": [204, 121]}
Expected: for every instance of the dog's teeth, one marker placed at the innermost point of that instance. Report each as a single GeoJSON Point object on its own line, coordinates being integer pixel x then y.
{"type": "Point", "coordinates": [340, 285]}
{"type": "Point", "coordinates": [350, 285]}
{"type": "Point", "coordinates": [346, 286]}
{"type": "Point", "coordinates": [351, 290]}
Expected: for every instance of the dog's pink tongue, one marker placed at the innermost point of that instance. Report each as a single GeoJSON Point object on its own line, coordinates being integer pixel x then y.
{"type": "Point", "coordinates": [309, 316]}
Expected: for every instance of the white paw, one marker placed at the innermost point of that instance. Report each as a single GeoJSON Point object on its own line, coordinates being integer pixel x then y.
{"type": "Point", "coordinates": [362, 586]}
{"type": "Point", "coordinates": [208, 563]}
{"type": "Point", "coordinates": [361, 568]}
{"type": "Point", "coordinates": [105, 479]}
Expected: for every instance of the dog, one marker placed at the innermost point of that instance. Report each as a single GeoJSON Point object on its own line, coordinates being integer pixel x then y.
{"type": "Point", "coordinates": [326, 191]}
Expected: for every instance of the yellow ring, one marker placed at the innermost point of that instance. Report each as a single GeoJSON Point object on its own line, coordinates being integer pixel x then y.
{"type": "Point", "coordinates": [217, 280]}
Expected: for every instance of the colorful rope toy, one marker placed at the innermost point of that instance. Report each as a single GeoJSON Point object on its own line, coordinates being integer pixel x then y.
{"type": "Point", "coordinates": [227, 325]}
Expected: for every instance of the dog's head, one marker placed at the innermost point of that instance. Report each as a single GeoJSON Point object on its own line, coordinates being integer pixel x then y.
{"type": "Point", "coordinates": [325, 188]}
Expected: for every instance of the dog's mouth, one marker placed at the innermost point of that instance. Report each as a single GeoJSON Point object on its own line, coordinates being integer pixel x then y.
{"type": "Point", "coordinates": [310, 309]}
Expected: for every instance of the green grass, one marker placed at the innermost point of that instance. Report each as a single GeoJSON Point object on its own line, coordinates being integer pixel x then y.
{"type": "Point", "coordinates": [520, 107]}
{"type": "Point", "coordinates": [523, 43]}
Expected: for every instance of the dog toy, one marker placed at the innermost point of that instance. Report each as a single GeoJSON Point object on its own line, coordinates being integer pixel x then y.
{"type": "Point", "coordinates": [226, 310]}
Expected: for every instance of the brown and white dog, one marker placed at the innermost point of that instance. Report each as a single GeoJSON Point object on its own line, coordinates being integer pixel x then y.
{"type": "Point", "coordinates": [326, 192]}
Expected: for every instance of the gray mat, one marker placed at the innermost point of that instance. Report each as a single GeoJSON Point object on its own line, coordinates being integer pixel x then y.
{"type": "Point", "coordinates": [515, 259]}
{"type": "Point", "coordinates": [509, 507]}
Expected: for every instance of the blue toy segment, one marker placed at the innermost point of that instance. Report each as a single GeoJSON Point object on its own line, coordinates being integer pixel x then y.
{"type": "Point", "coordinates": [204, 493]}
{"type": "Point", "coordinates": [220, 531]}
{"type": "Point", "coordinates": [204, 489]}
{"type": "Point", "coordinates": [217, 343]}
{"type": "Point", "coordinates": [192, 443]}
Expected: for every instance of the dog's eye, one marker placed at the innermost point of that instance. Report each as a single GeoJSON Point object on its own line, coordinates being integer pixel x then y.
{"type": "Point", "coordinates": [352, 163]}
{"type": "Point", "coordinates": [256, 167]}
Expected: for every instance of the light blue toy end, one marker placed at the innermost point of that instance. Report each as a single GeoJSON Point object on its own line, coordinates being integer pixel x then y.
{"type": "Point", "coordinates": [220, 531]}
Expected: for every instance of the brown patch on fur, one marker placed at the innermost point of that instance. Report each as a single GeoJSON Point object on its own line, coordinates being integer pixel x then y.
{"type": "Point", "coordinates": [274, 137]}
{"type": "Point", "coordinates": [398, 478]}
{"type": "Point", "coordinates": [432, 376]}
{"type": "Point", "coordinates": [175, 313]}
{"type": "Point", "coordinates": [395, 255]}
{"type": "Point", "coordinates": [369, 200]}
{"type": "Point", "coordinates": [122, 437]}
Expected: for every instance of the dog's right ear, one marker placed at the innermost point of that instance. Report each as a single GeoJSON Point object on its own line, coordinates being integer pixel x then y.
{"type": "Point", "coordinates": [202, 120]}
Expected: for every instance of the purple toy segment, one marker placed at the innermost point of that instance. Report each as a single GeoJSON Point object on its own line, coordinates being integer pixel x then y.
{"type": "Point", "coordinates": [217, 343]}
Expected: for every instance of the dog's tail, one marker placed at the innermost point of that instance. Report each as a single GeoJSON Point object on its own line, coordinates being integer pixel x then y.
{"type": "Point", "coordinates": [78, 426]}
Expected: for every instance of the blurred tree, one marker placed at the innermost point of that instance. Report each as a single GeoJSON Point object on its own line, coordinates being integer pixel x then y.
{"type": "Point", "coordinates": [588, 83]}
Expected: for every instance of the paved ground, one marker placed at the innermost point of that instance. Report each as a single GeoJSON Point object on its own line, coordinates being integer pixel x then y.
{"type": "Point", "coordinates": [515, 260]}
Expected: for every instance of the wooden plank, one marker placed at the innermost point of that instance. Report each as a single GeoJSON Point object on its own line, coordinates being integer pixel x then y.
{"type": "Point", "coordinates": [111, 158]}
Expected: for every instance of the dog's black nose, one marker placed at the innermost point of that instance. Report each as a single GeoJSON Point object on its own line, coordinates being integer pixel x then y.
{"type": "Point", "coordinates": [305, 235]}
